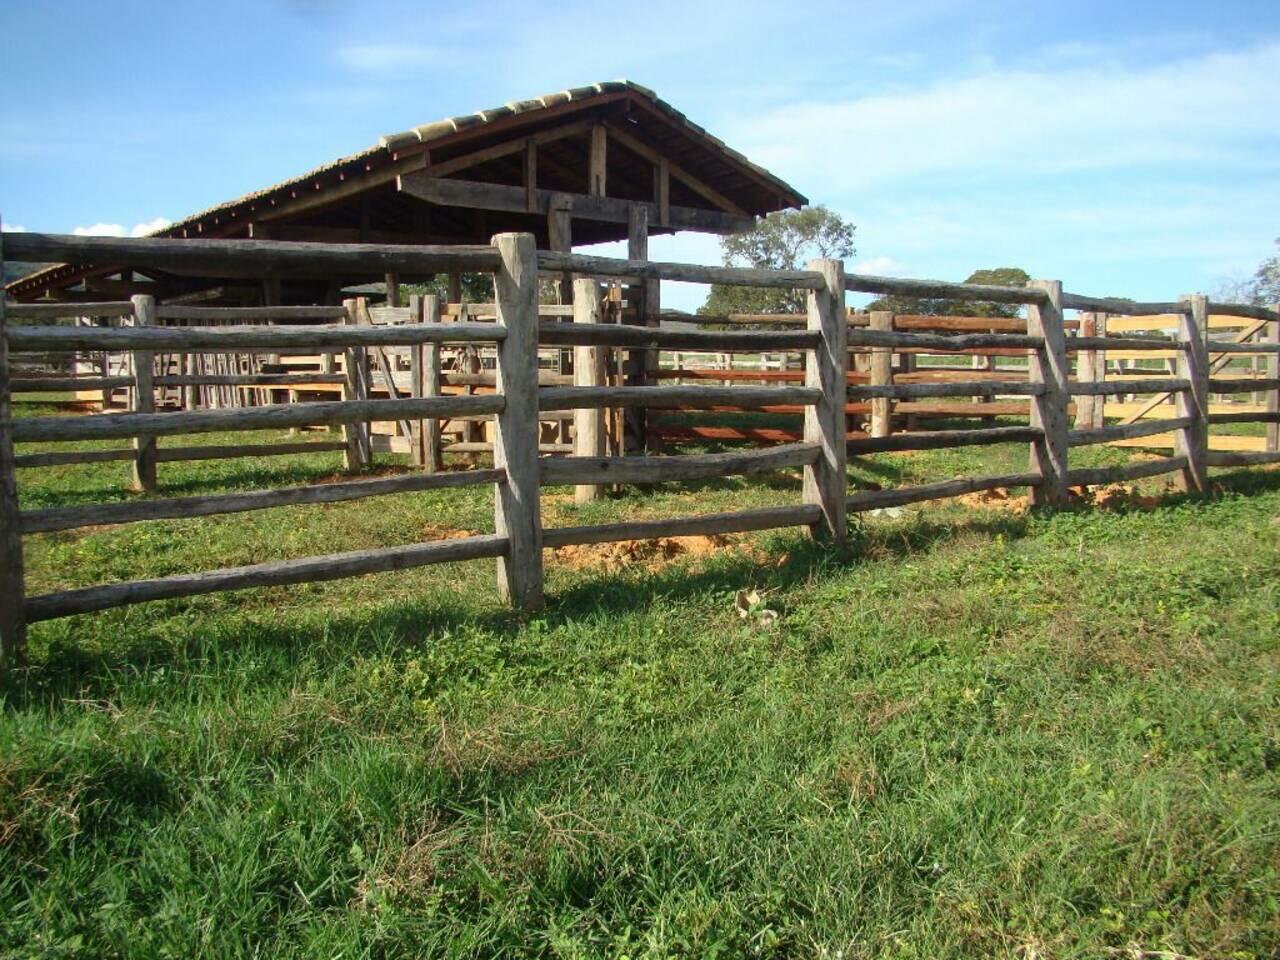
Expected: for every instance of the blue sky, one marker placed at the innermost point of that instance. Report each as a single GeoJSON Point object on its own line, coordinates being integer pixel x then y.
{"type": "Point", "coordinates": [1126, 148]}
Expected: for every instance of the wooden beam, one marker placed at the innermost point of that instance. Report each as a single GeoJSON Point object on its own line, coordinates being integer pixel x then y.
{"type": "Point", "coordinates": [597, 167]}
{"type": "Point", "coordinates": [700, 187]}
{"type": "Point", "coordinates": [510, 147]}
{"type": "Point", "coordinates": [663, 174]}
{"type": "Point", "coordinates": [490, 196]}
{"type": "Point", "coordinates": [531, 176]}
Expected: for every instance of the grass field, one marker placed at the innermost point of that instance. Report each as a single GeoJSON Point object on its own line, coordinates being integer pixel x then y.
{"type": "Point", "coordinates": [975, 733]}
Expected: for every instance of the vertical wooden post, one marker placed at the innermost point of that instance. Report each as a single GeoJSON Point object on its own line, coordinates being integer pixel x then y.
{"type": "Point", "coordinates": [826, 480]}
{"type": "Point", "coordinates": [356, 387]}
{"type": "Point", "coordinates": [1099, 374]}
{"type": "Point", "coordinates": [432, 458]}
{"type": "Point", "coordinates": [1193, 365]}
{"type": "Point", "coordinates": [1272, 335]}
{"type": "Point", "coordinates": [144, 398]}
{"type": "Point", "coordinates": [13, 624]}
{"type": "Point", "coordinates": [1086, 372]}
{"type": "Point", "coordinates": [393, 289]}
{"type": "Point", "coordinates": [1048, 366]}
{"type": "Point", "coordinates": [638, 359]}
{"type": "Point", "coordinates": [881, 376]}
{"type": "Point", "coordinates": [417, 387]}
{"type": "Point", "coordinates": [588, 371]}
{"type": "Point", "coordinates": [517, 509]}
{"type": "Point", "coordinates": [597, 163]}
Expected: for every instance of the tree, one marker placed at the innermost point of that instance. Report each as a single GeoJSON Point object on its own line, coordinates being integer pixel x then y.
{"type": "Point", "coordinates": [1266, 282]}
{"type": "Point", "coordinates": [993, 276]}
{"type": "Point", "coordinates": [1261, 289]}
{"type": "Point", "coordinates": [785, 240]}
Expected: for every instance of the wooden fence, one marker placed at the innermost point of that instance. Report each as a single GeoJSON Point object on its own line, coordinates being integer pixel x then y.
{"type": "Point", "coordinates": [825, 340]}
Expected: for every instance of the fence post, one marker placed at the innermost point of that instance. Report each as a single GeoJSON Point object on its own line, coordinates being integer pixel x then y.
{"type": "Point", "coordinates": [517, 510]}
{"type": "Point", "coordinates": [144, 398]}
{"type": "Point", "coordinates": [826, 480]}
{"type": "Point", "coordinates": [417, 387]}
{"type": "Point", "coordinates": [13, 625]}
{"type": "Point", "coordinates": [1087, 372]}
{"type": "Point", "coordinates": [433, 459]}
{"type": "Point", "coordinates": [588, 371]}
{"type": "Point", "coordinates": [1048, 367]}
{"type": "Point", "coordinates": [356, 387]}
{"type": "Point", "coordinates": [1273, 396]}
{"type": "Point", "coordinates": [881, 376]}
{"type": "Point", "coordinates": [1193, 365]}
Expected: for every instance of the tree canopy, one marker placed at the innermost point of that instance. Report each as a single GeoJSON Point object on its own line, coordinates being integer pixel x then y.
{"type": "Point", "coordinates": [785, 240]}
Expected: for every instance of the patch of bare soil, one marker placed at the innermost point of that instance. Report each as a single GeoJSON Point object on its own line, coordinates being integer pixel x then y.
{"type": "Point", "coordinates": [645, 553]}
{"type": "Point", "coordinates": [998, 499]}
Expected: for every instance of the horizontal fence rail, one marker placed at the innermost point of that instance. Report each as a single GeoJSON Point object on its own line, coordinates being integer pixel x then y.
{"type": "Point", "coordinates": [562, 426]}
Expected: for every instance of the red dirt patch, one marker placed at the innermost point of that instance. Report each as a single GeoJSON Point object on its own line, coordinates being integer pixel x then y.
{"type": "Point", "coordinates": [645, 553]}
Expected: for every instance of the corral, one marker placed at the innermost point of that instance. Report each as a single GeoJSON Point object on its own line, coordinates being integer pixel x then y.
{"type": "Point", "coordinates": [788, 666]}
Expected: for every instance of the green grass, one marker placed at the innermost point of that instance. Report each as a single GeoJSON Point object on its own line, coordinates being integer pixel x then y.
{"type": "Point", "coordinates": [973, 734]}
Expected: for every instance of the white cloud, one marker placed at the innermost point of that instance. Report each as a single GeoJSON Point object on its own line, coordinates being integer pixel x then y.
{"type": "Point", "coordinates": [118, 230]}
{"type": "Point", "coordinates": [151, 226]}
{"type": "Point", "coordinates": [880, 267]}
{"type": "Point", "coordinates": [383, 57]}
{"type": "Point", "coordinates": [14, 228]}
{"type": "Point", "coordinates": [1023, 122]}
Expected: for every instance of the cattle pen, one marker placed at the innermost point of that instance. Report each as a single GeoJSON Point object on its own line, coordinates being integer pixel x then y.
{"type": "Point", "coordinates": [846, 363]}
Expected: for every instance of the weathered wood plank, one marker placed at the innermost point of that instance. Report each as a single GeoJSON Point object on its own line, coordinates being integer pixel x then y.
{"type": "Point", "coordinates": [237, 450]}
{"type": "Point", "coordinates": [273, 574]}
{"type": "Point", "coordinates": [1130, 471]}
{"type": "Point", "coordinates": [826, 478]}
{"type": "Point", "coordinates": [177, 311]}
{"type": "Point", "coordinates": [963, 388]}
{"type": "Point", "coordinates": [687, 272]}
{"type": "Point", "coordinates": [1109, 388]}
{"type": "Point", "coordinates": [143, 396]}
{"type": "Point", "coordinates": [55, 311]}
{"type": "Point", "coordinates": [881, 370]}
{"type": "Point", "coordinates": [740, 521]}
{"type": "Point", "coordinates": [1234, 458]}
{"type": "Point", "coordinates": [877, 499]}
{"type": "Point", "coordinates": [252, 258]}
{"type": "Point", "coordinates": [134, 511]}
{"type": "Point", "coordinates": [181, 339]}
{"type": "Point", "coordinates": [598, 470]}
{"type": "Point", "coordinates": [492, 196]}
{"type": "Point", "coordinates": [1125, 431]}
{"type": "Point", "coordinates": [629, 335]}
{"type": "Point", "coordinates": [517, 508]}
{"type": "Point", "coordinates": [575, 398]}
{"type": "Point", "coordinates": [125, 425]}
{"type": "Point", "coordinates": [1050, 370]}
{"type": "Point", "coordinates": [1192, 403]}
{"type": "Point", "coordinates": [588, 371]}
{"type": "Point", "coordinates": [1128, 308]}
{"type": "Point", "coordinates": [865, 283]}
{"type": "Point", "coordinates": [58, 384]}
{"type": "Point", "coordinates": [13, 616]}
{"type": "Point", "coordinates": [941, 439]}
{"type": "Point", "coordinates": [941, 343]}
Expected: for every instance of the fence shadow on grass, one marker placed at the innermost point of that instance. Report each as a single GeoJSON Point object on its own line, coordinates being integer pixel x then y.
{"type": "Point", "coordinates": [76, 670]}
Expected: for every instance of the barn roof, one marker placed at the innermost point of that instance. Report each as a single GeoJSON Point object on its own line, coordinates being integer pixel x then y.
{"type": "Point", "coordinates": [360, 193]}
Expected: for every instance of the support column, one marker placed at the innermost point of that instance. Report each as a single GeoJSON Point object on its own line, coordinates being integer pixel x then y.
{"type": "Point", "coordinates": [429, 357]}
{"type": "Point", "coordinates": [1192, 441]}
{"type": "Point", "coordinates": [13, 625]}
{"type": "Point", "coordinates": [1272, 335]}
{"type": "Point", "coordinates": [881, 376]}
{"type": "Point", "coordinates": [1086, 372]}
{"type": "Point", "coordinates": [355, 366]}
{"type": "Point", "coordinates": [1048, 366]}
{"type": "Point", "coordinates": [144, 397]}
{"type": "Point", "coordinates": [638, 361]}
{"type": "Point", "coordinates": [826, 479]}
{"type": "Point", "coordinates": [517, 509]}
{"type": "Point", "coordinates": [588, 371]}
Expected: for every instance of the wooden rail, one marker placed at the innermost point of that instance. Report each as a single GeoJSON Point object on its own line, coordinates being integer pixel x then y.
{"type": "Point", "coordinates": [849, 369]}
